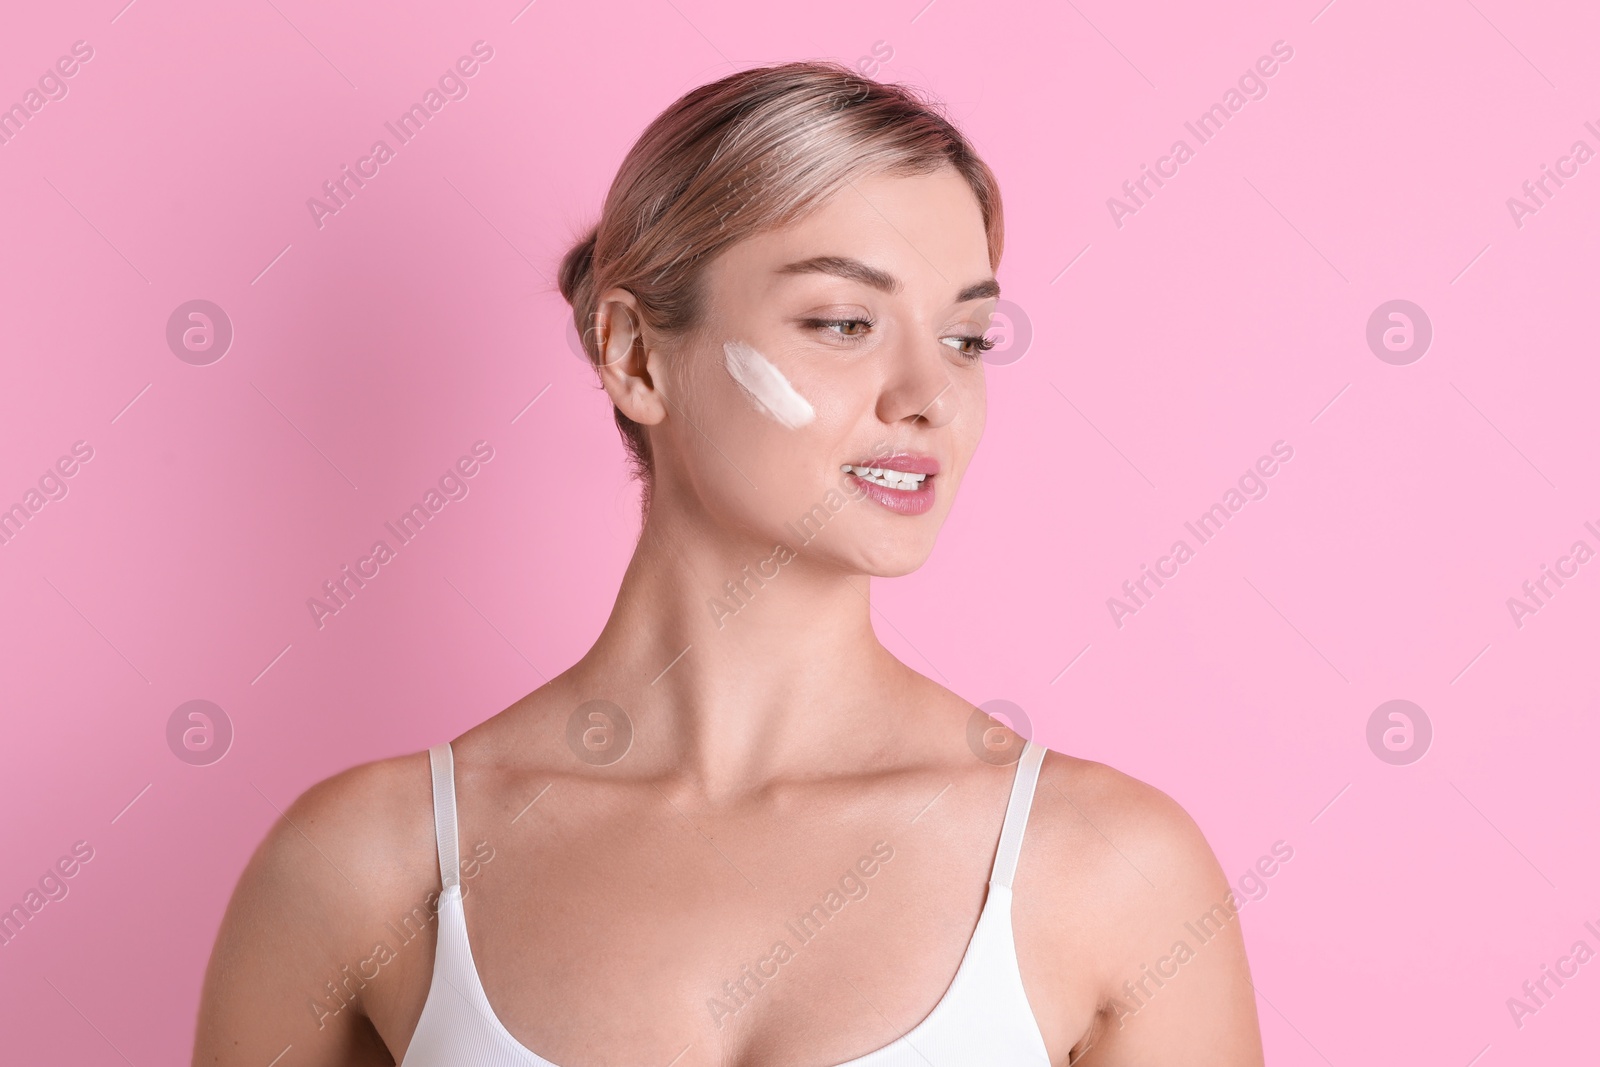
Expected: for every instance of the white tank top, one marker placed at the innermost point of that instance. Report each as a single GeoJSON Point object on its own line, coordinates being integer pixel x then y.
{"type": "Point", "coordinates": [983, 1018]}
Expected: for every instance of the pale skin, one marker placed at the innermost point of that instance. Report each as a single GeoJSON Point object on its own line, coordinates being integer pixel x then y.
{"type": "Point", "coordinates": [766, 760]}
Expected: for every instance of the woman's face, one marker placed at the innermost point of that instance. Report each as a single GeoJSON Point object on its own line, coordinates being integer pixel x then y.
{"type": "Point", "coordinates": [851, 339]}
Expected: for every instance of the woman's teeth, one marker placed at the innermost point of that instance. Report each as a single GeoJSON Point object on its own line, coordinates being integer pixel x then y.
{"type": "Point", "coordinates": [884, 476]}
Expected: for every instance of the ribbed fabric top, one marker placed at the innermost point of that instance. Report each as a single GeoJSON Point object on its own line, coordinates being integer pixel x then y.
{"type": "Point", "coordinates": [983, 1018]}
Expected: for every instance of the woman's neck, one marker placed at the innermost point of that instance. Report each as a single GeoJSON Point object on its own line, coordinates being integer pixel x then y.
{"type": "Point", "coordinates": [737, 660]}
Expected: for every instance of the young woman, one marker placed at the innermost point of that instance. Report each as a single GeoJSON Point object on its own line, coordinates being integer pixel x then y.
{"type": "Point", "coordinates": [738, 831]}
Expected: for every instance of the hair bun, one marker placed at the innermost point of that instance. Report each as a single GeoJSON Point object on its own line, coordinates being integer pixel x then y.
{"type": "Point", "coordinates": [577, 267]}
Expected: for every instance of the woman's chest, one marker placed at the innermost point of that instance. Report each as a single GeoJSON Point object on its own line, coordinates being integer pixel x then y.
{"type": "Point", "coordinates": [662, 936]}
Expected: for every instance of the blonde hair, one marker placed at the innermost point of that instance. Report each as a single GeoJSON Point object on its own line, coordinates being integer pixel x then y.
{"type": "Point", "coordinates": [752, 152]}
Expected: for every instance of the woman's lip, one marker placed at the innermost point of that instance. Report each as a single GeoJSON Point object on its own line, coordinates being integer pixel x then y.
{"type": "Point", "coordinates": [901, 501]}
{"type": "Point", "coordinates": [909, 462]}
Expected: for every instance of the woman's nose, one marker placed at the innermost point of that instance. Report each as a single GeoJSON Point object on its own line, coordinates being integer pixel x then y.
{"type": "Point", "coordinates": [917, 386]}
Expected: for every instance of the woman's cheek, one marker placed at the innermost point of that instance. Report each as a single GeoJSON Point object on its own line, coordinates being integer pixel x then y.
{"type": "Point", "coordinates": [766, 387]}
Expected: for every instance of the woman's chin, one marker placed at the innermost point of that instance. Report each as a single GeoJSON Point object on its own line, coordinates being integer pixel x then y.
{"type": "Point", "coordinates": [891, 561]}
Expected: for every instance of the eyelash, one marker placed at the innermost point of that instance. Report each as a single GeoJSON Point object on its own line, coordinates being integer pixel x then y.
{"type": "Point", "coordinates": [983, 344]}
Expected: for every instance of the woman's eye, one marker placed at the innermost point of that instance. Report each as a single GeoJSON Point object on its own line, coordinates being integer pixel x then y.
{"type": "Point", "coordinates": [971, 347]}
{"type": "Point", "coordinates": [844, 327]}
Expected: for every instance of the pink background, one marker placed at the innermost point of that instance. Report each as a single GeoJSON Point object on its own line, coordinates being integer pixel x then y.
{"type": "Point", "coordinates": [1228, 313]}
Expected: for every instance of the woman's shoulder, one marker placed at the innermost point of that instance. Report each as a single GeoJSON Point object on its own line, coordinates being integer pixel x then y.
{"type": "Point", "coordinates": [1090, 790]}
{"type": "Point", "coordinates": [1138, 827]}
{"type": "Point", "coordinates": [352, 850]}
{"type": "Point", "coordinates": [348, 845]}
{"type": "Point", "coordinates": [1090, 820]}
{"type": "Point", "coordinates": [1102, 839]}
{"type": "Point", "coordinates": [370, 806]}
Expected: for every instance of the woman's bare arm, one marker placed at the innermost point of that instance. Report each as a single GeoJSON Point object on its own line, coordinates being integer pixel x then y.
{"type": "Point", "coordinates": [285, 972]}
{"type": "Point", "coordinates": [1174, 980]}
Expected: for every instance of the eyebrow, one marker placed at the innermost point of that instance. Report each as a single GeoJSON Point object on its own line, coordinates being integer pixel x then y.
{"type": "Point", "coordinates": [857, 271]}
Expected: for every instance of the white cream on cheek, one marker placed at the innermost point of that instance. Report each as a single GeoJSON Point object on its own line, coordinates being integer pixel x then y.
{"type": "Point", "coordinates": [766, 386]}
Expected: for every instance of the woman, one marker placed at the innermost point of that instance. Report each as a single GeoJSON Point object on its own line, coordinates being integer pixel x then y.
{"type": "Point", "coordinates": [738, 831]}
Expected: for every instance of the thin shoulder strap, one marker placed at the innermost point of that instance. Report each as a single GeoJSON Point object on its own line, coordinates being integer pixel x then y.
{"type": "Point", "coordinates": [444, 812]}
{"type": "Point", "coordinates": [1005, 859]}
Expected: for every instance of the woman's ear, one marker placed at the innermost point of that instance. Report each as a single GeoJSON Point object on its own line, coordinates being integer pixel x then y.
{"type": "Point", "coordinates": [625, 358]}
